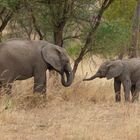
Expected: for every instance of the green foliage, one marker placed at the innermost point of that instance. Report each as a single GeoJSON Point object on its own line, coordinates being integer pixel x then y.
{"type": "Point", "coordinates": [109, 39]}
{"type": "Point", "coordinates": [113, 32]}
{"type": "Point", "coordinates": [73, 48]}
{"type": "Point", "coordinates": [9, 4]}
{"type": "Point", "coordinates": [111, 36]}
{"type": "Point", "coordinates": [121, 10]}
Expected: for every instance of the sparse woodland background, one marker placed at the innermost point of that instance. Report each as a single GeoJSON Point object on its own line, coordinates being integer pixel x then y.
{"type": "Point", "coordinates": [105, 27]}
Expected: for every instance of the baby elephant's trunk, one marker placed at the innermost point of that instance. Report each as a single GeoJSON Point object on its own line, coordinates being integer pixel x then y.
{"type": "Point", "coordinates": [91, 78]}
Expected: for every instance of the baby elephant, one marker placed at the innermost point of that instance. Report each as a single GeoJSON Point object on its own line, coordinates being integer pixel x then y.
{"type": "Point", "coordinates": [125, 72]}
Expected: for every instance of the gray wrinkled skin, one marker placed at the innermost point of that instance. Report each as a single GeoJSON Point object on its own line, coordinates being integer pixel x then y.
{"type": "Point", "coordinates": [22, 59]}
{"type": "Point", "coordinates": [125, 72]}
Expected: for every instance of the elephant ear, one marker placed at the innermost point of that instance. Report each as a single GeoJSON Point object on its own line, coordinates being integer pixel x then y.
{"type": "Point", "coordinates": [51, 55]}
{"type": "Point", "coordinates": [115, 68]}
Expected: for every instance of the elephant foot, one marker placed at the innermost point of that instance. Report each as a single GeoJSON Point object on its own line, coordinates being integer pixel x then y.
{"type": "Point", "coordinates": [127, 98]}
{"type": "Point", "coordinates": [118, 98]}
{"type": "Point", "coordinates": [40, 93]}
{"type": "Point", "coordinates": [39, 90]}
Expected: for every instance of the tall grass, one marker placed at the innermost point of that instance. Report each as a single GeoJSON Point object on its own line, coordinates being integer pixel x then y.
{"type": "Point", "coordinates": [84, 111]}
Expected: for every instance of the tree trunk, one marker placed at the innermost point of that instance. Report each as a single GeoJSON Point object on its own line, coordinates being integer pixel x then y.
{"type": "Point", "coordinates": [133, 52]}
{"type": "Point", "coordinates": [58, 36]}
{"type": "Point", "coordinates": [0, 36]}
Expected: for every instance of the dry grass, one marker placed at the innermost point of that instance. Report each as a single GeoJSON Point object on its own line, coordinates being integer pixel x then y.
{"type": "Point", "coordinates": [84, 111]}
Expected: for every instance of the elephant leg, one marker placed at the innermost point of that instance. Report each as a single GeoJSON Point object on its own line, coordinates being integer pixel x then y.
{"type": "Point", "coordinates": [40, 82]}
{"type": "Point", "coordinates": [127, 88]}
{"type": "Point", "coordinates": [0, 87]}
{"type": "Point", "coordinates": [117, 88]}
{"type": "Point", "coordinates": [133, 87]}
{"type": "Point", "coordinates": [135, 96]}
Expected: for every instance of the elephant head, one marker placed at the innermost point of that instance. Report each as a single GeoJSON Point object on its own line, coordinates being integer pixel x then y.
{"type": "Point", "coordinates": [109, 69]}
{"type": "Point", "coordinates": [58, 59]}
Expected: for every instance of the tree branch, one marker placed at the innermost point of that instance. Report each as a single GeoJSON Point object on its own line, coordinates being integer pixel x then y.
{"type": "Point", "coordinates": [94, 25]}
{"type": "Point", "coordinates": [2, 11]}
{"type": "Point", "coordinates": [6, 20]}
{"type": "Point", "coordinates": [71, 37]}
{"type": "Point", "coordinates": [37, 29]}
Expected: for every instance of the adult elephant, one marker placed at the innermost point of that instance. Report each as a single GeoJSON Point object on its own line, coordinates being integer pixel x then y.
{"type": "Point", "coordinates": [126, 72]}
{"type": "Point", "coordinates": [22, 59]}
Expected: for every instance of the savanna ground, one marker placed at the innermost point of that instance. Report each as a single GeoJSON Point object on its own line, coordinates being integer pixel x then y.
{"type": "Point", "coordinates": [84, 111]}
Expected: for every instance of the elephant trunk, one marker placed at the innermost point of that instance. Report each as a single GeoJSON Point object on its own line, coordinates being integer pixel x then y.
{"type": "Point", "coordinates": [92, 77]}
{"type": "Point", "coordinates": [69, 76]}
